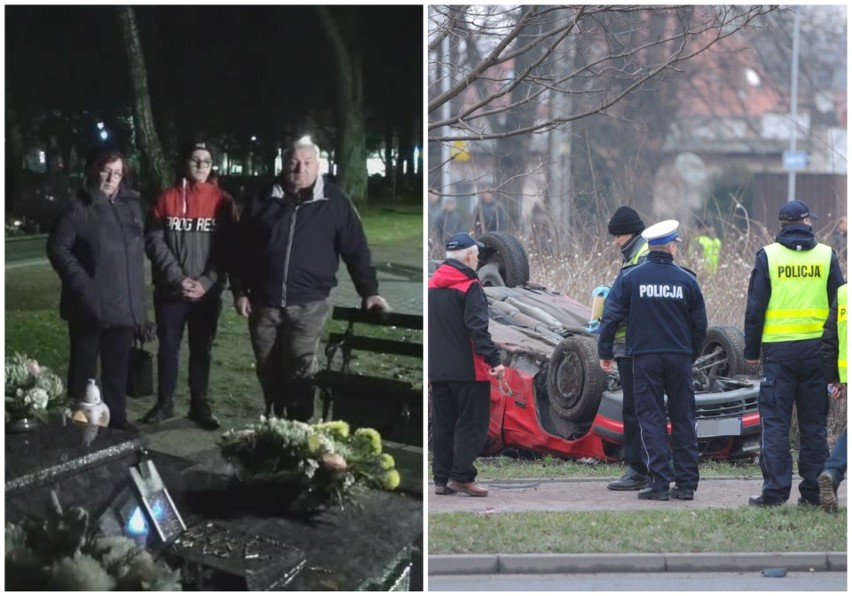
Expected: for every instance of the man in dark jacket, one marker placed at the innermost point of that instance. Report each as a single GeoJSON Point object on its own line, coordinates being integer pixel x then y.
{"type": "Point", "coordinates": [291, 239]}
{"type": "Point", "coordinates": [97, 248]}
{"type": "Point", "coordinates": [794, 281]}
{"type": "Point", "coordinates": [626, 227]}
{"type": "Point", "coordinates": [834, 364]}
{"type": "Point", "coordinates": [666, 325]}
{"type": "Point", "coordinates": [462, 357]}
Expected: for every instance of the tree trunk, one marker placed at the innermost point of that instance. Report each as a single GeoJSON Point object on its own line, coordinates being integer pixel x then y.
{"type": "Point", "coordinates": [352, 141]}
{"type": "Point", "coordinates": [150, 141]}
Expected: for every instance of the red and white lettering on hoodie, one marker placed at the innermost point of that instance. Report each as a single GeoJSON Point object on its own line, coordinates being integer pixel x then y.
{"type": "Point", "coordinates": [183, 235]}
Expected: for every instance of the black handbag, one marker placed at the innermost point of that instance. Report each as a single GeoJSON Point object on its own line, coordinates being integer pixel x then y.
{"type": "Point", "coordinates": [140, 373]}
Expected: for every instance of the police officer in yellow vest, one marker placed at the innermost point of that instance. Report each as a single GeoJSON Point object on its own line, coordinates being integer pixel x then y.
{"type": "Point", "coordinates": [710, 246]}
{"type": "Point", "coordinates": [794, 281]}
{"type": "Point", "coordinates": [626, 227]}
{"type": "Point", "coordinates": [834, 348]}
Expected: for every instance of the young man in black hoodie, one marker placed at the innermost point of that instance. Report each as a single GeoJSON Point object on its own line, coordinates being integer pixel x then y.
{"type": "Point", "coordinates": [462, 358]}
{"type": "Point", "coordinates": [794, 281]}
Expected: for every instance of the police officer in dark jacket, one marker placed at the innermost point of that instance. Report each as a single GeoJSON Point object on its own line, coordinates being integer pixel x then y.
{"type": "Point", "coordinates": [666, 326]}
{"type": "Point", "coordinates": [462, 358]}
{"type": "Point", "coordinates": [794, 281]}
{"type": "Point", "coordinates": [97, 248]}
{"type": "Point", "coordinates": [291, 239]}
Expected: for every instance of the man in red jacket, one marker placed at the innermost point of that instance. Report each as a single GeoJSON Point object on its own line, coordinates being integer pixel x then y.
{"type": "Point", "coordinates": [462, 358]}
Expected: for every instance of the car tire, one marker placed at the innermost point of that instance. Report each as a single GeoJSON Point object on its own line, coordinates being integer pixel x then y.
{"type": "Point", "coordinates": [729, 345]}
{"type": "Point", "coordinates": [575, 382]}
{"type": "Point", "coordinates": [511, 259]}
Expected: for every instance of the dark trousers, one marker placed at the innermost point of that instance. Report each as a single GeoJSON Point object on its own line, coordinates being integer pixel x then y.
{"type": "Point", "coordinates": [202, 320]}
{"type": "Point", "coordinates": [792, 374]}
{"type": "Point", "coordinates": [632, 445]}
{"type": "Point", "coordinates": [657, 376]}
{"type": "Point", "coordinates": [460, 416]}
{"type": "Point", "coordinates": [285, 342]}
{"type": "Point", "coordinates": [836, 464]}
{"type": "Point", "coordinates": [113, 345]}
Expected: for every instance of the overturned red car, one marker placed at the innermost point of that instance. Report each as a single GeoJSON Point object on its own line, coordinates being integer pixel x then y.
{"type": "Point", "coordinates": [554, 398]}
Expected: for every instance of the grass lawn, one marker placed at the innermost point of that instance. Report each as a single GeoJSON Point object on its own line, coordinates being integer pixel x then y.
{"type": "Point", "coordinates": [745, 529]}
{"type": "Point", "coordinates": [33, 326]}
{"type": "Point", "coordinates": [510, 468]}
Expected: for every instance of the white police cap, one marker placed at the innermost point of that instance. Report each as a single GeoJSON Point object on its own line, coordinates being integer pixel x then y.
{"type": "Point", "coordinates": [662, 233]}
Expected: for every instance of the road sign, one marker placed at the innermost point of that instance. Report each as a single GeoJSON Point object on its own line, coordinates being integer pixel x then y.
{"type": "Point", "coordinates": [795, 160]}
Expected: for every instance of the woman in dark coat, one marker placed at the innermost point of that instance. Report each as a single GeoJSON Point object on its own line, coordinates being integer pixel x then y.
{"type": "Point", "coordinates": [98, 250]}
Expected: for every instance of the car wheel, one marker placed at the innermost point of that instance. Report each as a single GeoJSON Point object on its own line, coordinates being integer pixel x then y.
{"type": "Point", "coordinates": [575, 382]}
{"type": "Point", "coordinates": [509, 256]}
{"type": "Point", "coordinates": [722, 354]}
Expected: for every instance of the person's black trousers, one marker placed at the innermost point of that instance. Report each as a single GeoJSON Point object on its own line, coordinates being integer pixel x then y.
{"type": "Point", "coordinates": [792, 374]}
{"type": "Point", "coordinates": [632, 445]}
{"type": "Point", "coordinates": [201, 318]}
{"type": "Point", "coordinates": [656, 375]}
{"type": "Point", "coordinates": [460, 416]}
{"type": "Point", "coordinates": [113, 345]}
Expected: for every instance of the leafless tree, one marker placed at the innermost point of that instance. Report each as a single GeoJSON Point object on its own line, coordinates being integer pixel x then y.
{"type": "Point", "coordinates": [150, 140]}
{"type": "Point", "coordinates": [501, 77]}
{"type": "Point", "coordinates": [340, 27]}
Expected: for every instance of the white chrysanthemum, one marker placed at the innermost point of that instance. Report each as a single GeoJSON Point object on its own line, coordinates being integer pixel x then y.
{"type": "Point", "coordinates": [80, 574]}
{"type": "Point", "coordinates": [38, 398]}
{"type": "Point", "coordinates": [309, 467]}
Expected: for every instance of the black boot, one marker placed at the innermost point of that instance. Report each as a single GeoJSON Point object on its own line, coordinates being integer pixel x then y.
{"type": "Point", "coordinates": [163, 410]}
{"type": "Point", "coordinates": [202, 415]}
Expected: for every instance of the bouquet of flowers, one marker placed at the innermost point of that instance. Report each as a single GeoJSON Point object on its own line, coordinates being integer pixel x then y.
{"type": "Point", "coordinates": [65, 552]}
{"type": "Point", "coordinates": [31, 390]}
{"type": "Point", "coordinates": [326, 463]}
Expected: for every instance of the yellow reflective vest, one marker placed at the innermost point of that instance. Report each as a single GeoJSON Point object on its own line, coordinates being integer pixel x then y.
{"type": "Point", "coordinates": [710, 249]}
{"type": "Point", "coordinates": [621, 332]}
{"type": "Point", "coordinates": [841, 332]}
{"type": "Point", "coordinates": [798, 305]}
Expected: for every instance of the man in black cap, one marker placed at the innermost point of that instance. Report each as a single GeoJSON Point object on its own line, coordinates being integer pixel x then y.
{"type": "Point", "coordinates": [462, 358]}
{"type": "Point", "coordinates": [794, 281]}
{"type": "Point", "coordinates": [625, 226]}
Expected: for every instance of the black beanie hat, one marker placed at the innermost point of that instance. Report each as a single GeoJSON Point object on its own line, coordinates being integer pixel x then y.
{"type": "Point", "coordinates": [625, 221]}
{"type": "Point", "coordinates": [196, 145]}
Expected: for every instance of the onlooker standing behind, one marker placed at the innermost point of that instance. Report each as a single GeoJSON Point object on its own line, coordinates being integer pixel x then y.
{"type": "Point", "coordinates": [461, 359]}
{"type": "Point", "coordinates": [666, 325]}
{"type": "Point", "coordinates": [834, 354]}
{"type": "Point", "coordinates": [186, 241]}
{"type": "Point", "coordinates": [794, 281]}
{"type": "Point", "coordinates": [291, 239]}
{"type": "Point", "coordinates": [625, 226]}
{"type": "Point", "coordinates": [490, 215]}
{"type": "Point", "coordinates": [839, 238]}
{"type": "Point", "coordinates": [448, 222]}
{"type": "Point", "coordinates": [97, 248]}
{"type": "Point", "coordinates": [710, 246]}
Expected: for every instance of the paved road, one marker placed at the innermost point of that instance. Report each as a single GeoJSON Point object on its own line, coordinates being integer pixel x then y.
{"type": "Point", "coordinates": [825, 581]}
{"type": "Point", "coordinates": [591, 494]}
{"type": "Point", "coordinates": [399, 266]}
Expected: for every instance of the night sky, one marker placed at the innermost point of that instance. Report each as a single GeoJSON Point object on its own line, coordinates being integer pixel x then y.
{"type": "Point", "coordinates": [217, 68]}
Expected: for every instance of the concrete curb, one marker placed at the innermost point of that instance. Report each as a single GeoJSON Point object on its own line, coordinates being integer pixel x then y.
{"type": "Point", "coordinates": [631, 563]}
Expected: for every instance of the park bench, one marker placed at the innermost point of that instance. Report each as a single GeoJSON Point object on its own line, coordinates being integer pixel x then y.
{"type": "Point", "coordinates": [393, 406]}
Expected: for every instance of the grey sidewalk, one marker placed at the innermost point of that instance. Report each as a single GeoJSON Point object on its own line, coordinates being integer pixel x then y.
{"type": "Point", "coordinates": [399, 267]}
{"type": "Point", "coordinates": [591, 494]}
